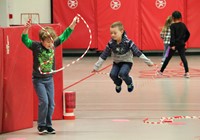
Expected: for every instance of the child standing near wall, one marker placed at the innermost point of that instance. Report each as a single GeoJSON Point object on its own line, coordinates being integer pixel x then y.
{"type": "Point", "coordinates": [122, 49]}
{"type": "Point", "coordinates": [165, 35]}
{"type": "Point", "coordinates": [43, 64]}
{"type": "Point", "coordinates": [179, 35]}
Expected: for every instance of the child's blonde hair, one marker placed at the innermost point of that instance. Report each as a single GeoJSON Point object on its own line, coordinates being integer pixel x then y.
{"type": "Point", "coordinates": [47, 32]}
{"type": "Point", "coordinates": [168, 22]}
{"type": "Point", "coordinates": [117, 24]}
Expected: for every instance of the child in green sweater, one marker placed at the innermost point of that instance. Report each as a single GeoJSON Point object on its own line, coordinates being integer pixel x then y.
{"type": "Point", "coordinates": [43, 65]}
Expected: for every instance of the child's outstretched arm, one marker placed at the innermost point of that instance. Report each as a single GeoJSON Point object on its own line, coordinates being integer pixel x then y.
{"type": "Point", "coordinates": [98, 64]}
{"type": "Point", "coordinates": [102, 58]}
{"type": "Point", "coordinates": [139, 54]}
{"type": "Point", "coordinates": [146, 60]}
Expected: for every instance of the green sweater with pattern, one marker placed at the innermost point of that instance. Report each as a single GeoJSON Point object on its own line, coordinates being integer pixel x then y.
{"type": "Point", "coordinates": [43, 59]}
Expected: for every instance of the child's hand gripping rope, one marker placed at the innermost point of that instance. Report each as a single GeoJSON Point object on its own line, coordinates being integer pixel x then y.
{"type": "Point", "coordinates": [72, 25]}
{"type": "Point", "coordinates": [28, 24]}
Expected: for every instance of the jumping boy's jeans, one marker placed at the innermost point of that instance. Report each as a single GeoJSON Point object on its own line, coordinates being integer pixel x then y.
{"type": "Point", "coordinates": [44, 88]}
{"type": "Point", "coordinates": [119, 72]}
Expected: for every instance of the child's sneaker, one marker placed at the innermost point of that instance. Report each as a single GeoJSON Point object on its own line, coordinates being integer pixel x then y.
{"type": "Point", "coordinates": [159, 73]}
{"type": "Point", "coordinates": [51, 130]}
{"type": "Point", "coordinates": [130, 87]}
{"type": "Point", "coordinates": [118, 89]}
{"type": "Point", "coordinates": [42, 130]}
{"type": "Point", "coordinates": [186, 75]}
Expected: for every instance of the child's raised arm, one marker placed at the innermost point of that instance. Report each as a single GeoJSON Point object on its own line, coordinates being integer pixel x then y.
{"type": "Point", "coordinates": [25, 38]}
{"type": "Point", "coordinates": [27, 26]}
{"type": "Point", "coordinates": [74, 22]}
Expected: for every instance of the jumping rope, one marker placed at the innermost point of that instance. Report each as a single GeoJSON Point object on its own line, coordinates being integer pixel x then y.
{"type": "Point", "coordinates": [89, 45]}
{"type": "Point", "coordinates": [153, 74]}
{"type": "Point", "coordinates": [169, 120]}
{"type": "Point", "coordinates": [73, 62]}
{"type": "Point", "coordinates": [78, 59]}
{"type": "Point", "coordinates": [92, 74]}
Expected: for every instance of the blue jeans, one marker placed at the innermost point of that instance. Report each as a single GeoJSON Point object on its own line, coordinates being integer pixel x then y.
{"type": "Point", "coordinates": [44, 88]}
{"type": "Point", "coordinates": [164, 52]}
{"type": "Point", "coordinates": [119, 72]}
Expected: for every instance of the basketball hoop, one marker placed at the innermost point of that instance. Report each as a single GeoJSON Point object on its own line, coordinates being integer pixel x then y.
{"type": "Point", "coordinates": [35, 18]}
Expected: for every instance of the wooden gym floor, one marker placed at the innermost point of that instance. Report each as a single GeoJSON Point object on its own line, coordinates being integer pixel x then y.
{"type": "Point", "coordinates": [103, 114]}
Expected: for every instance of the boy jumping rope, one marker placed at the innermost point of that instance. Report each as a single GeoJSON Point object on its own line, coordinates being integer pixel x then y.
{"type": "Point", "coordinates": [122, 49]}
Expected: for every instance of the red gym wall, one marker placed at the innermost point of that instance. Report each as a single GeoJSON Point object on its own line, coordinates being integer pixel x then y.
{"type": "Point", "coordinates": [1, 79]}
{"type": "Point", "coordinates": [151, 21]}
{"type": "Point", "coordinates": [127, 14]}
{"type": "Point", "coordinates": [193, 22]}
{"type": "Point", "coordinates": [17, 93]}
{"type": "Point", "coordinates": [64, 15]}
{"type": "Point", "coordinates": [141, 18]}
{"type": "Point", "coordinates": [19, 104]}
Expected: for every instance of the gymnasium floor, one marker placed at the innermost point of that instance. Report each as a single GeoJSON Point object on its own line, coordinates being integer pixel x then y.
{"type": "Point", "coordinates": [103, 114]}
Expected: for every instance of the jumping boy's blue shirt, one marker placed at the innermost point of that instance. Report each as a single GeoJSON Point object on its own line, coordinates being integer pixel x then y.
{"type": "Point", "coordinates": [42, 57]}
{"type": "Point", "coordinates": [122, 52]}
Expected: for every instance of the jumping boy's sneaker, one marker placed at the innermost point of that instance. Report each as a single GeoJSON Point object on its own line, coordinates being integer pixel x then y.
{"type": "Point", "coordinates": [42, 130]}
{"type": "Point", "coordinates": [130, 87]}
{"type": "Point", "coordinates": [51, 130]}
{"type": "Point", "coordinates": [118, 89]}
{"type": "Point", "coordinates": [186, 75]}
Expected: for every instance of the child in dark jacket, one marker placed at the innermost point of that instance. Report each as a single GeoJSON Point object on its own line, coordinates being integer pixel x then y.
{"type": "Point", "coordinates": [179, 35]}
